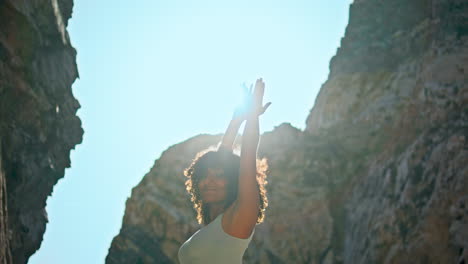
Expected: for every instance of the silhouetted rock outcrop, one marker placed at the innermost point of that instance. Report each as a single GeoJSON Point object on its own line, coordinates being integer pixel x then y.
{"type": "Point", "coordinates": [378, 176]}
{"type": "Point", "coordinates": [38, 122]}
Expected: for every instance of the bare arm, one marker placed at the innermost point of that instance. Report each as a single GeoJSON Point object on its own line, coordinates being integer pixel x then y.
{"type": "Point", "coordinates": [248, 199]}
{"type": "Point", "coordinates": [245, 209]}
{"type": "Point", "coordinates": [240, 114]}
{"type": "Point", "coordinates": [231, 133]}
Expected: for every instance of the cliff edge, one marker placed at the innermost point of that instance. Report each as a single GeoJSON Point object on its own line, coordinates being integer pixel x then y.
{"type": "Point", "coordinates": [38, 122]}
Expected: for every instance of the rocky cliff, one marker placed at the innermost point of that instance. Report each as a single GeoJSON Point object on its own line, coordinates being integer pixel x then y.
{"type": "Point", "coordinates": [38, 122]}
{"type": "Point", "coordinates": [380, 173]}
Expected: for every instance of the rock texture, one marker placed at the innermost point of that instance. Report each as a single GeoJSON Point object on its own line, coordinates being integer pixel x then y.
{"type": "Point", "coordinates": [398, 86]}
{"type": "Point", "coordinates": [380, 173]}
{"type": "Point", "coordinates": [38, 122]}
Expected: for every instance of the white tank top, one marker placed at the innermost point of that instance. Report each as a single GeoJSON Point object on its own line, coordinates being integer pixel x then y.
{"type": "Point", "coordinates": [211, 244]}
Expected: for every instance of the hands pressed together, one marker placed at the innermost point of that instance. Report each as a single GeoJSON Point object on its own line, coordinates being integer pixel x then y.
{"type": "Point", "coordinates": [252, 105]}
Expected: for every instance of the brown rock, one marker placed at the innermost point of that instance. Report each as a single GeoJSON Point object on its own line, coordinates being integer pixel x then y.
{"type": "Point", "coordinates": [378, 176]}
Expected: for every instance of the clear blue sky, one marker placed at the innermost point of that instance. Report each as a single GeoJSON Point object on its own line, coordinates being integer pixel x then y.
{"type": "Point", "coordinates": [155, 73]}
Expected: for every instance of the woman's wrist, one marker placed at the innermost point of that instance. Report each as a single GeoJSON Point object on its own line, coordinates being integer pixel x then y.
{"type": "Point", "coordinates": [237, 120]}
{"type": "Point", "coordinates": [252, 116]}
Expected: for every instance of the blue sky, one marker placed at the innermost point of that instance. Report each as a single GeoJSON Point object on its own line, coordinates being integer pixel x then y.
{"type": "Point", "coordinates": [155, 73]}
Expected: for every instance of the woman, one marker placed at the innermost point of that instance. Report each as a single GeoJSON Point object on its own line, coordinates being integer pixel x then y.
{"type": "Point", "coordinates": [228, 191]}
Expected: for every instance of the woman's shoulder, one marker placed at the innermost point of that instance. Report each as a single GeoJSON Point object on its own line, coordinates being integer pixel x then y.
{"type": "Point", "coordinates": [234, 226]}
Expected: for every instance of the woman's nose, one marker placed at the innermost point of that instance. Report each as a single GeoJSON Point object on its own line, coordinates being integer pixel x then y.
{"type": "Point", "coordinates": [210, 178]}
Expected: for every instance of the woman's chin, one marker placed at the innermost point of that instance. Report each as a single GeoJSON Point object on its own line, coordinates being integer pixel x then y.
{"type": "Point", "coordinates": [212, 199]}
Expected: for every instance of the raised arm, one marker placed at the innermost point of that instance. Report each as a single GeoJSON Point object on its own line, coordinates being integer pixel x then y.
{"type": "Point", "coordinates": [231, 133]}
{"type": "Point", "coordinates": [245, 209]}
{"type": "Point", "coordinates": [240, 114]}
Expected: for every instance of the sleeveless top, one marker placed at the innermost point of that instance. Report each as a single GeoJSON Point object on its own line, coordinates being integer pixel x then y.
{"type": "Point", "coordinates": [211, 244]}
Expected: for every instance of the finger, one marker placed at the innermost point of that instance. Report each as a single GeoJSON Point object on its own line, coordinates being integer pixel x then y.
{"type": "Point", "coordinates": [244, 87]}
{"type": "Point", "coordinates": [259, 92]}
{"type": "Point", "coordinates": [259, 86]}
{"type": "Point", "coordinates": [245, 90]}
{"type": "Point", "coordinates": [266, 107]}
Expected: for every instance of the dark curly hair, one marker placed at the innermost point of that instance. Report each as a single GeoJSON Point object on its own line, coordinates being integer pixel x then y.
{"type": "Point", "coordinates": [228, 161]}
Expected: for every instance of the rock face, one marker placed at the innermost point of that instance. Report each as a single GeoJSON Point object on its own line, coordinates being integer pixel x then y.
{"type": "Point", "coordinates": [397, 96]}
{"type": "Point", "coordinates": [380, 173]}
{"type": "Point", "coordinates": [38, 122]}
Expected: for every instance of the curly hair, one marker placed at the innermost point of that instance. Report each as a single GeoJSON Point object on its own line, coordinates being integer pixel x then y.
{"type": "Point", "coordinates": [230, 163]}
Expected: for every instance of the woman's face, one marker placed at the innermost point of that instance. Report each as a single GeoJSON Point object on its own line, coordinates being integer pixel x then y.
{"type": "Point", "coordinates": [213, 187]}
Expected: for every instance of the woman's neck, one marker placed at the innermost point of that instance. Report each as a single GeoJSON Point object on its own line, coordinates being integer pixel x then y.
{"type": "Point", "coordinates": [214, 210]}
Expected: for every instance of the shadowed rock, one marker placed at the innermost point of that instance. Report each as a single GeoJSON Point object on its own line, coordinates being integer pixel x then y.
{"type": "Point", "coordinates": [38, 122]}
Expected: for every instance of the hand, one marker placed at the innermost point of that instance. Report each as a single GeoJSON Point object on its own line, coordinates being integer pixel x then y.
{"type": "Point", "coordinates": [251, 103]}
{"type": "Point", "coordinates": [258, 108]}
